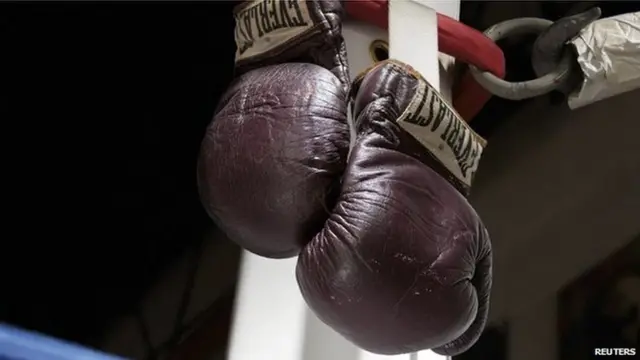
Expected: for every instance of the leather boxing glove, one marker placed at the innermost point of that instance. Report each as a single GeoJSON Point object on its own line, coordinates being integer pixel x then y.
{"type": "Point", "coordinates": [404, 262]}
{"type": "Point", "coordinates": [271, 159]}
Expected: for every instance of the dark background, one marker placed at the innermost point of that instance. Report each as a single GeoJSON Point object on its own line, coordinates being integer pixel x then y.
{"type": "Point", "coordinates": [103, 109]}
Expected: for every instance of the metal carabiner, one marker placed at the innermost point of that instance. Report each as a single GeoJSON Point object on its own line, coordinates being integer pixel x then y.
{"type": "Point", "coordinates": [524, 89]}
{"type": "Point", "coordinates": [552, 63]}
{"type": "Point", "coordinates": [550, 45]}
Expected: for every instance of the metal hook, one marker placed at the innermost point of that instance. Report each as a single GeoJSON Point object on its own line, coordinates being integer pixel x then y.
{"type": "Point", "coordinates": [550, 44]}
{"type": "Point", "coordinates": [524, 89]}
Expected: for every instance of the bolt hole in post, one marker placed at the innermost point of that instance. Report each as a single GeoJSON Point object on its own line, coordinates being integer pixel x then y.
{"type": "Point", "coordinates": [379, 50]}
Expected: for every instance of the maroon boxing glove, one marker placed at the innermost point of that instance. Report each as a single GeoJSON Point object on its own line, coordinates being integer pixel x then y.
{"type": "Point", "coordinates": [392, 255]}
{"type": "Point", "coordinates": [403, 262]}
{"type": "Point", "coordinates": [273, 155]}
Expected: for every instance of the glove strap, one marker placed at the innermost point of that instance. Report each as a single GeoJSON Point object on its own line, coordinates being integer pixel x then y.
{"type": "Point", "coordinates": [432, 121]}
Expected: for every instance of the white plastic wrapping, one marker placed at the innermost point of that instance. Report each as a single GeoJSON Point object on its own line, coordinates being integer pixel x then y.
{"type": "Point", "coordinates": [609, 56]}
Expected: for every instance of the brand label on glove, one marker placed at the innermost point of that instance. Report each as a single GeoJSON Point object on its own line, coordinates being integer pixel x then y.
{"type": "Point", "coordinates": [264, 25]}
{"type": "Point", "coordinates": [431, 120]}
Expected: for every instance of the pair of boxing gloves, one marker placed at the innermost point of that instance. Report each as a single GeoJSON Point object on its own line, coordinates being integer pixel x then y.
{"type": "Point", "coordinates": [365, 181]}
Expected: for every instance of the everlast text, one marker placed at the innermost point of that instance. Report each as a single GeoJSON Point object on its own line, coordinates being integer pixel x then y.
{"type": "Point", "coordinates": [441, 130]}
{"type": "Point", "coordinates": [261, 18]}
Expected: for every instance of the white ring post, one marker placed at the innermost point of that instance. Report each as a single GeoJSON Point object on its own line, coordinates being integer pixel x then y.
{"type": "Point", "coordinates": [413, 39]}
{"type": "Point", "coordinates": [271, 320]}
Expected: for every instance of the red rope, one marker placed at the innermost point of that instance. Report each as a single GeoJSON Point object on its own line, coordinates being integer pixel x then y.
{"type": "Point", "coordinates": [454, 38]}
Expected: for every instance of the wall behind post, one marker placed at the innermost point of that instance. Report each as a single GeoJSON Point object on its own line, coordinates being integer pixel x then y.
{"type": "Point", "coordinates": [558, 191]}
{"type": "Point", "coordinates": [533, 333]}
